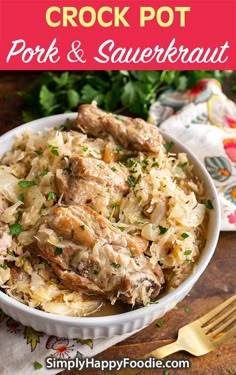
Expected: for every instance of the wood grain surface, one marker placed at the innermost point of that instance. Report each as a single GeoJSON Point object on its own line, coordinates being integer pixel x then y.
{"type": "Point", "coordinates": [216, 284]}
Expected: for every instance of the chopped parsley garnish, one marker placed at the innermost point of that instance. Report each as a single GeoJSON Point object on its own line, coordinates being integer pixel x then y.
{"type": "Point", "coordinates": [181, 166]}
{"type": "Point", "coordinates": [162, 229]}
{"type": "Point", "coordinates": [84, 149]}
{"type": "Point", "coordinates": [26, 184]}
{"type": "Point", "coordinates": [52, 195]}
{"type": "Point", "coordinates": [42, 207]}
{"type": "Point", "coordinates": [82, 227]}
{"type": "Point", "coordinates": [21, 197]}
{"type": "Point", "coordinates": [38, 152]}
{"type": "Point", "coordinates": [11, 253]}
{"type": "Point", "coordinates": [138, 178]}
{"type": "Point", "coordinates": [114, 205]}
{"type": "Point", "coordinates": [159, 324]}
{"type": "Point", "coordinates": [25, 257]}
{"type": "Point", "coordinates": [169, 145]}
{"type": "Point", "coordinates": [96, 272]}
{"type": "Point", "coordinates": [209, 204]}
{"type": "Point", "coordinates": [4, 266]}
{"type": "Point", "coordinates": [58, 251]}
{"type": "Point", "coordinates": [37, 365]}
{"type": "Point", "coordinates": [187, 309]}
{"type": "Point", "coordinates": [145, 161]}
{"type": "Point", "coordinates": [44, 172]}
{"type": "Point", "coordinates": [114, 169]}
{"type": "Point", "coordinates": [66, 126]}
{"type": "Point", "coordinates": [129, 163]}
{"type": "Point", "coordinates": [132, 181]}
{"type": "Point", "coordinates": [122, 229]}
{"type": "Point", "coordinates": [54, 150]}
{"type": "Point", "coordinates": [187, 252]}
{"type": "Point", "coordinates": [184, 235]}
{"type": "Point", "coordinates": [116, 265]}
{"type": "Point", "coordinates": [155, 164]}
{"type": "Point", "coordinates": [72, 233]}
{"type": "Point", "coordinates": [16, 229]}
{"type": "Point", "coordinates": [119, 149]}
{"type": "Point", "coordinates": [20, 214]}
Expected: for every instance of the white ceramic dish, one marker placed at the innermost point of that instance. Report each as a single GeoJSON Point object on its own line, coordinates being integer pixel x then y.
{"type": "Point", "coordinates": [97, 327]}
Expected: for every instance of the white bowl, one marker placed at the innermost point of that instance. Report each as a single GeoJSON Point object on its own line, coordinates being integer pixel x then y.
{"type": "Point", "coordinates": [98, 327]}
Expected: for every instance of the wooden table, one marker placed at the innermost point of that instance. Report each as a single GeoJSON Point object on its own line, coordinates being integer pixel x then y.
{"type": "Point", "coordinates": [216, 284]}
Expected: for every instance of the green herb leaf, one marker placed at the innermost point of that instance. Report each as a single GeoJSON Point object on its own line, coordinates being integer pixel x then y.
{"type": "Point", "coordinates": [96, 272]}
{"type": "Point", "coordinates": [21, 197]}
{"type": "Point", "coordinates": [181, 166]}
{"type": "Point", "coordinates": [114, 169]}
{"type": "Point", "coordinates": [84, 149]}
{"type": "Point", "coordinates": [16, 229]}
{"type": "Point", "coordinates": [37, 365]}
{"type": "Point", "coordinates": [4, 266]}
{"type": "Point", "coordinates": [44, 172]}
{"type": "Point", "coordinates": [163, 229]}
{"type": "Point", "coordinates": [58, 251]}
{"type": "Point", "coordinates": [184, 235]}
{"type": "Point", "coordinates": [54, 150]}
{"type": "Point", "coordinates": [155, 164]}
{"type": "Point", "coordinates": [116, 265]}
{"type": "Point", "coordinates": [169, 146]}
{"type": "Point", "coordinates": [122, 229]}
{"type": "Point", "coordinates": [188, 252]}
{"type": "Point", "coordinates": [187, 309]}
{"type": "Point", "coordinates": [82, 227]}
{"type": "Point", "coordinates": [42, 207]}
{"type": "Point", "coordinates": [132, 181]}
{"type": "Point", "coordinates": [26, 184]}
{"type": "Point", "coordinates": [119, 149]}
{"type": "Point", "coordinates": [52, 195]}
{"type": "Point", "coordinates": [38, 152]}
{"type": "Point", "coordinates": [209, 204]}
{"type": "Point", "coordinates": [159, 324]}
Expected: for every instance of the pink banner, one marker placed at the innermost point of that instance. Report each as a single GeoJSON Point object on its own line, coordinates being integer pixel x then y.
{"type": "Point", "coordinates": [81, 35]}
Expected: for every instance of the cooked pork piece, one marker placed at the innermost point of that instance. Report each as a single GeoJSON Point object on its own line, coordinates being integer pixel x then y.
{"type": "Point", "coordinates": [135, 134]}
{"type": "Point", "coordinates": [93, 182]}
{"type": "Point", "coordinates": [97, 257]}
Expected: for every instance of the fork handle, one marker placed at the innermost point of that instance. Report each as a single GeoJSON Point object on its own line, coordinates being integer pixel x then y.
{"type": "Point", "coordinates": [164, 351]}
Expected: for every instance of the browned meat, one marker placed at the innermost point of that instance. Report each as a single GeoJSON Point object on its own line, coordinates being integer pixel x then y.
{"type": "Point", "coordinates": [131, 133]}
{"type": "Point", "coordinates": [15, 275]}
{"type": "Point", "coordinates": [93, 182]}
{"type": "Point", "coordinates": [97, 170]}
{"type": "Point", "coordinates": [97, 257]}
{"type": "Point", "coordinates": [89, 227]}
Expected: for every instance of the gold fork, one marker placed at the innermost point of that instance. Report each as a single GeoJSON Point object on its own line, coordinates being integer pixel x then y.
{"type": "Point", "coordinates": [199, 337]}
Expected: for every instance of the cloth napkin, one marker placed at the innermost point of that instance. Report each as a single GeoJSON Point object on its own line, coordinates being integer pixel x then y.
{"type": "Point", "coordinates": [204, 120]}
{"type": "Point", "coordinates": [21, 347]}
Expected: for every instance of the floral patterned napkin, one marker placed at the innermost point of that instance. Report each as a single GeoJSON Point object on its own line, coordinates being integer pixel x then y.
{"type": "Point", "coordinates": [204, 119]}
{"type": "Point", "coordinates": [23, 350]}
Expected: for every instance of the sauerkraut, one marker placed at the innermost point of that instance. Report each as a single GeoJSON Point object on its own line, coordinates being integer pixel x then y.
{"type": "Point", "coordinates": [165, 205]}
